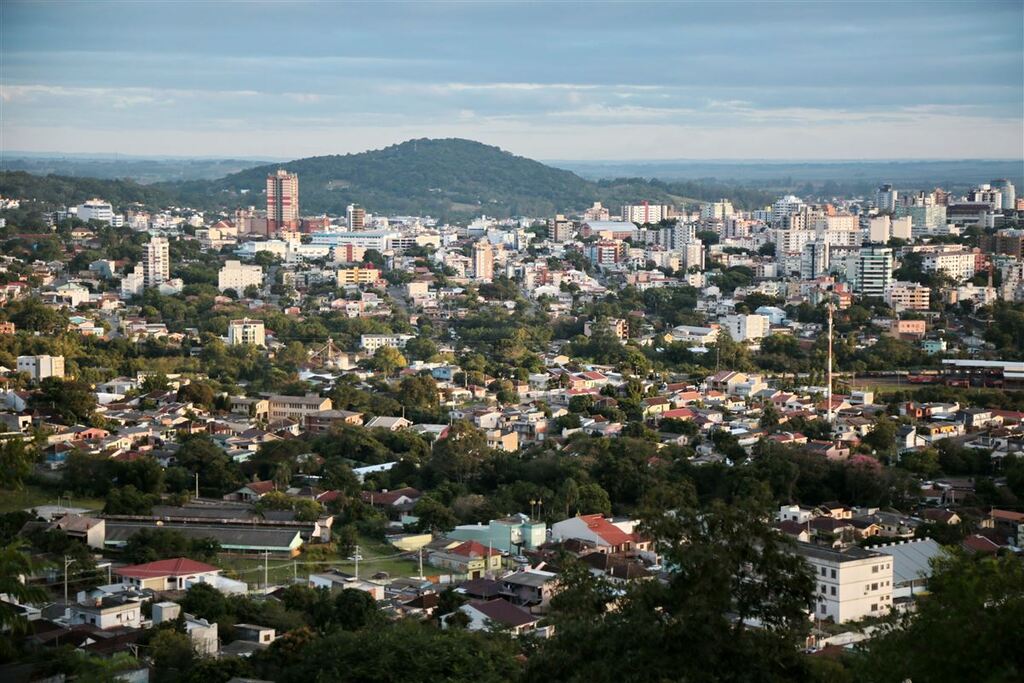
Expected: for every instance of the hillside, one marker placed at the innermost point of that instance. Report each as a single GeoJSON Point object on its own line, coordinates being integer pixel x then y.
{"type": "Point", "coordinates": [448, 179]}
{"type": "Point", "coordinates": [437, 177]}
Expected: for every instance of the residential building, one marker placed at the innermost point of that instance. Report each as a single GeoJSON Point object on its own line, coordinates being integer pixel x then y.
{"type": "Point", "coordinates": [165, 575]}
{"type": "Point", "coordinates": [958, 265]}
{"type": "Point", "coordinates": [886, 198]}
{"type": "Point", "coordinates": [360, 275]}
{"type": "Point", "coordinates": [1008, 192]}
{"type": "Point", "coordinates": [850, 583]}
{"type": "Point", "coordinates": [645, 212]}
{"type": "Point", "coordinates": [372, 342]}
{"type": "Point", "coordinates": [510, 534]}
{"type": "Point", "coordinates": [108, 612]}
{"type": "Point", "coordinates": [156, 263]}
{"type": "Point", "coordinates": [355, 217]}
{"type": "Point", "coordinates": [814, 259]}
{"type": "Point", "coordinates": [296, 407]}
{"type": "Point", "coordinates": [282, 201]}
{"type": "Point", "coordinates": [237, 276]}
{"type": "Point", "coordinates": [483, 261]}
{"type": "Point", "coordinates": [616, 326]}
{"type": "Point", "coordinates": [469, 557]}
{"type": "Point", "coordinates": [908, 296]}
{"type": "Point", "coordinates": [95, 210]}
{"type": "Point", "coordinates": [873, 274]}
{"type": "Point", "coordinates": [746, 327]}
{"type": "Point", "coordinates": [246, 331]}
{"type": "Point", "coordinates": [41, 367]}
{"type": "Point", "coordinates": [560, 229]}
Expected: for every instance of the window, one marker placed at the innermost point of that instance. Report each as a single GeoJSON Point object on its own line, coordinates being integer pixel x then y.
{"type": "Point", "coordinates": [833, 590]}
{"type": "Point", "coordinates": [823, 609]}
{"type": "Point", "coordinates": [874, 586]}
{"type": "Point", "coordinates": [822, 588]}
{"type": "Point", "coordinates": [874, 607]}
{"type": "Point", "coordinates": [833, 573]}
{"type": "Point", "coordinates": [823, 571]}
{"type": "Point", "coordinates": [874, 569]}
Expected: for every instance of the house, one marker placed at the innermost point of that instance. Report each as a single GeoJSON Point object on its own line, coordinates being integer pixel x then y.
{"type": "Point", "coordinates": [530, 588]}
{"type": "Point", "coordinates": [89, 530]}
{"type": "Point", "coordinates": [323, 421]}
{"type": "Point", "coordinates": [393, 502]}
{"type": "Point", "coordinates": [252, 491]}
{"type": "Point", "coordinates": [164, 575]}
{"type": "Point", "coordinates": [850, 584]}
{"type": "Point", "coordinates": [469, 557]}
{"type": "Point", "coordinates": [108, 612]}
{"type": "Point", "coordinates": [392, 424]}
{"type": "Point", "coordinates": [594, 528]}
{"type": "Point", "coordinates": [498, 614]}
{"type": "Point", "coordinates": [1008, 525]}
{"type": "Point", "coordinates": [911, 564]}
{"type": "Point", "coordinates": [336, 580]}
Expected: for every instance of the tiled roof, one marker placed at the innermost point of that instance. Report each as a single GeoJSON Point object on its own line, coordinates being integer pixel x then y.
{"type": "Point", "coordinates": [179, 566]}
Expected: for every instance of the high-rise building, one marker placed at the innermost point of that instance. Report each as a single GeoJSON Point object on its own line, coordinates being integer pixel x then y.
{"type": "Point", "coordinates": [596, 213]}
{"type": "Point", "coordinates": [95, 209]}
{"type": "Point", "coordinates": [282, 201]}
{"type": "Point", "coordinates": [483, 261]}
{"type": "Point", "coordinates": [814, 259]}
{"type": "Point", "coordinates": [645, 213]}
{"type": "Point", "coordinates": [355, 215]}
{"type": "Point", "coordinates": [1008, 191]}
{"type": "Point", "coordinates": [720, 210]}
{"type": "Point", "coordinates": [247, 331]}
{"type": "Point", "coordinates": [156, 265]}
{"type": "Point", "coordinates": [238, 276]}
{"type": "Point", "coordinates": [886, 198]}
{"type": "Point", "coordinates": [785, 207]}
{"type": "Point", "coordinates": [560, 229]}
{"type": "Point", "coordinates": [879, 228]}
{"type": "Point", "coordinates": [873, 274]}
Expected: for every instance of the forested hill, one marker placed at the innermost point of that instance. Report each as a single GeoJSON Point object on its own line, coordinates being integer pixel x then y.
{"type": "Point", "coordinates": [448, 179]}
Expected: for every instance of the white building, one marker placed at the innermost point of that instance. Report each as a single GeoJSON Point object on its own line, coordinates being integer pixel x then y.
{"type": "Point", "coordinates": [237, 276]}
{"type": "Point", "coordinates": [886, 198]}
{"type": "Point", "coordinates": [908, 296]}
{"type": "Point", "coordinates": [719, 210]}
{"type": "Point", "coordinates": [784, 208]}
{"type": "Point", "coordinates": [958, 265]}
{"type": "Point", "coordinates": [157, 261]}
{"type": "Point", "coordinates": [850, 584]}
{"type": "Point", "coordinates": [247, 331]}
{"type": "Point", "coordinates": [133, 283]}
{"type": "Point", "coordinates": [41, 367]}
{"type": "Point", "coordinates": [873, 271]}
{"type": "Point", "coordinates": [372, 342]}
{"type": "Point", "coordinates": [644, 213]}
{"type": "Point", "coordinates": [879, 229]}
{"type": "Point", "coordinates": [746, 327]}
{"type": "Point", "coordinates": [95, 210]}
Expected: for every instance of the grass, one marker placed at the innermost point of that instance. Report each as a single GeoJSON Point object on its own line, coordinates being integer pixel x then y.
{"type": "Point", "coordinates": [32, 495]}
{"type": "Point", "coordinates": [376, 557]}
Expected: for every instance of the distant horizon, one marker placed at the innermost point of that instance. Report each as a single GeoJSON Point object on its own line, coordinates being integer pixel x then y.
{"type": "Point", "coordinates": [603, 81]}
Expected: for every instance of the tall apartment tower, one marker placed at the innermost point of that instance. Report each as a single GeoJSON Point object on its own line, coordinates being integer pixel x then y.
{"type": "Point", "coordinates": [873, 270]}
{"type": "Point", "coordinates": [1009, 193]}
{"type": "Point", "coordinates": [356, 217]}
{"type": "Point", "coordinates": [483, 261]}
{"type": "Point", "coordinates": [282, 201]}
{"type": "Point", "coordinates": [157, 264]}
{"type": "Point", "coordinates": [886, 198]}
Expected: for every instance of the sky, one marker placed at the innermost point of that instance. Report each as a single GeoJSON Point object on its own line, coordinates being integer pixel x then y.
{"type": "Point", "coordinates": [556, 80]}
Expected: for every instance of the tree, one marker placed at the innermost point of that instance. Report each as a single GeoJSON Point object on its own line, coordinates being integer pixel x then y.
{"type": "Point", "coordinates": [70, 400]}
{"type": "Point", "coordinates": [205, 601]}
{"type": "Point", "coordinates": [16, 563]}
{"type": "Point", "coordinates": [980, 595]}
{"type": "Point", "coordinates": [387, 360]}
{"type": "Point", "coordinates": [729, 566]}
{"type": "Point", "coordinates": [172, 654]}
{"type": "Point", "coordinates": [433, 516]}
{"type": "Point", "coordinates": [15, 463]}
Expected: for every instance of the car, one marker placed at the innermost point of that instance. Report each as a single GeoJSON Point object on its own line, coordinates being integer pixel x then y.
{"type": "Point", "coordinates": [521, 559]}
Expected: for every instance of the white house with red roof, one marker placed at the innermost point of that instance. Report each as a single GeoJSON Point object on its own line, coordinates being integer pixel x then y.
{"type": "Point", "coordinates": [470, 558]}
{"type": "Point", "coordinates": [165, 575]}
{"type": "Point", "coordinates": [609, 537]}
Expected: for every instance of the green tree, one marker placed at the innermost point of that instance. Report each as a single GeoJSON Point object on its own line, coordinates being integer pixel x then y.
{"type": "Point", "coordinates": [16, 460]}
{"type": "Point", "coordinates": [980, 595]}
{"type": "Point", "coordinates": [71, 401]}
{"type": "Point", "coordinates": [15, 563]}
{"type": "Point", "coordinates": [387, 361]}
{"type": "Point", "coordinates": [433, 516]}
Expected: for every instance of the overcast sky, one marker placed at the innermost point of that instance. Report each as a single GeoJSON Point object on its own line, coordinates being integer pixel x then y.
{"type": "Point", "coordinates": [668, 80]}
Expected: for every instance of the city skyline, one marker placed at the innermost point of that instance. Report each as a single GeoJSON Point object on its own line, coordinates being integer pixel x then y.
{"type": "Point", "coordinates": [617, 81]}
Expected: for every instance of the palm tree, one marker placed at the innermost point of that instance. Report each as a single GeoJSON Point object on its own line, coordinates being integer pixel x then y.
{"type": "Point", "coordinates": [15, 566]}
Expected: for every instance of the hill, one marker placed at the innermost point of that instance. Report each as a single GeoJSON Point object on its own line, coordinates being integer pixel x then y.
{"type": "Point", "coordinates": [437, 177]}
{"type": "Point", "coordinates": [447, 179]}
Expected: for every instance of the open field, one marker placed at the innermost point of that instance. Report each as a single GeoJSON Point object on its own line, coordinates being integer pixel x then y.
{"type": "Point", "coordinates": [31, 495]}
{"type": "Point", "coordinates": [376, 557]}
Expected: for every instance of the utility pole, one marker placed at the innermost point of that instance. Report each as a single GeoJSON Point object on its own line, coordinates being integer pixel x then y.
{"type": "Point", "coordinates": [828, 390]}
{"type": "Point", "coordinates": [197, 484]}
{"type": "Point", "coordinates": [266, 559]}
{"type": "Point", "coordinates": [357, 560]}
{"type": "Point", "coordinates": [421, 562]}
{"type": "Point", "coordinates": [68, 561]}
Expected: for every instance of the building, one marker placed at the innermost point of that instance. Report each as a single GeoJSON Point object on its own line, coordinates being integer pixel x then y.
{"type": "Point", "coordinates": [113, 611]}
{"type": "Point", "coordinates": [596, 213]}
{"type": "Point", "coordinates": [785, 207]}
{"type": "Point", "coordinates": [296, 407]}
{"type": "Point", "coordinates": [41, 367]}
{"type": "Point", "coordinates": [908, 296]}
{"type": "Point", "coordinates": [95, 210]}
{"type": "Point", "coordinates": [873, 273]}
{"type": "Point", "coordinates": [238, 276]}
{"type": "Point", "coordinates": [607, 536]}
{"type": "Point", "coordinates": [850, 584]}
{"type": "Point", "coordinates": [1008, 191]}
{"type": "Point", "coordinates": [814, 259]}
{"type": "Point", "coordinates": [156, 264]}
{"type": "Point", "coordinates": [879, 229]}
{"type": "Point", "coordinates": [926, 217]}
{"type": "Point", "coordinates": [355, 217]}
{"type": "Point", "coordinates": [616, 326]}
{"type": "Point", "coordinates": [282, 201]}
{"type": "Point", "coordinates": [510, 534]}
{"type": "Point", "coordinates": [746, 327]}
{"type": "Point", "coordinates": [719, 210]}
{"type": "Point", "coordinates": [886, 198]}
{"type": "Point", "coordinates": [360, 275]}
{"type": "Point", "coordinates": [645, 213]}
{"type": "Point", "coordinates": [1009, 241]}
{"type": "Point", "coordinates": [166, 575]}
{"type": "Point", "coordinates": [372, 342]}
{"type": "Point", "coordinates": [605, 252]}
{"type": "Point", "coordinates": [133, 283]}
{"type": "Point", "coordinates": [247, 331]}
{"type": "Point", "coordinates": [469, 557]}
{"type": "Point", "coordinates": [958, 265]}
{"type": "Point", "coordinates": [560, 229]}
{"type": "Point", "coordinates": [483, 261]}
